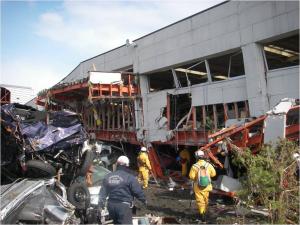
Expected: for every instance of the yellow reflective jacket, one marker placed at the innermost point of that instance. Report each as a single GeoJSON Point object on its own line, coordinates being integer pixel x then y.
{"type": "Point", "coordinates": [143, 161]}
{"type": "Point", "coordinates": [193, 175]}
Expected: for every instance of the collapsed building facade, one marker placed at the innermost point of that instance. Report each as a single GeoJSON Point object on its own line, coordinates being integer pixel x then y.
{"type": "Point", "coordinates": [181, 84]}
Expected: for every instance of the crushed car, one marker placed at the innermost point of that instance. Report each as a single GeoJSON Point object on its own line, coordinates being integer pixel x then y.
{"type": "Point", "coordinates": [39, 144]}
{"type": "Point", "coordinates": [42, 201]}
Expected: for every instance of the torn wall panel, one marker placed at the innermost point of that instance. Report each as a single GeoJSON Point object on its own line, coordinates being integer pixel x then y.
{"type": "Point", "coordinates": [221, 92]}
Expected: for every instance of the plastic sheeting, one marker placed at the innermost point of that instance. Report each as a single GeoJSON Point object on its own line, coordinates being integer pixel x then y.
{"type": "Point", "coordinates": [29, 127]}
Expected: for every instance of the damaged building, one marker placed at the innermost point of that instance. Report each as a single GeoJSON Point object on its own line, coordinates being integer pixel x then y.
{"type": "Point", "coordinates": [181, 84]}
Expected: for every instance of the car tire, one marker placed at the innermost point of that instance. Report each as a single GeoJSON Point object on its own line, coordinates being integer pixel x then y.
{"type": "Point", "coordinates": [87, 160]}
{"type": "Point", "coordinates": [39, 169]}
{"type": "Point", "coordinates": [79, 195]}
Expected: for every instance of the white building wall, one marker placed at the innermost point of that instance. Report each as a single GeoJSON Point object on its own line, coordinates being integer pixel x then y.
{"type": "Point", "coordinates": [283, 83]}
{"type": "Point", "coordinates": [232, 90]}
{"type": "Point", "coordinates": [227, 27]}
{"type": "Point", "coordinates": [19, 94]}
{"type": "Point", "coordinates": [256, 79]}
{"type": "Point", "coordinates": [219, 29]}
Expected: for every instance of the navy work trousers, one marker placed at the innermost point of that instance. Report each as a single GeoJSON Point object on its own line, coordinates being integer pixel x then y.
{"type": "Point", "coordinates": [119, 212]}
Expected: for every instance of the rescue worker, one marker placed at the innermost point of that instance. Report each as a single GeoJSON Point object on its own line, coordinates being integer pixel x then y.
{"type": "Point", "coordinates": [144, 167]}
{"type": "Point", "coordinates": [120, 187]}
{"type": "Point", "coordinates": [184, 159]}
{"type": "Point", "coordinates": [201, 193]}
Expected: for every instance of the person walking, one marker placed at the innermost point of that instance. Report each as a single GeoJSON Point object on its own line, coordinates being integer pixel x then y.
{"type": "Point", "coordinates": [121, 187]}
{"type": "Point", "coordinates": [144, 167]}
{"type": "Point", "coordinates": [201, 173]}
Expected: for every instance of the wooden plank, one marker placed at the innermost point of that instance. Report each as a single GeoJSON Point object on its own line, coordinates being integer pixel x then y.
{"type": "Point", "coordinates": [194, 117]}
{"type": "Point", "coordinates": [215, 117]}
{"type": "Point", "coordinates": [225, 111]}
{"type": "Point", "coordinates": [133, 115]}
{"type": "Point", "coordinates": [168, 111]}
{"type": "Point", "coordinates": [247, 109]}
{"type": "Point", "coordinates": [118, 116]}
{"type": "Point", "coordinates": [128, 116]}
{"type": "Point", "coordinates": [204, 115]}
{"type": "Point", "coordinates": [113, 115]}
{"type": "Point", "coordinates": [108, 116]}
{"type": "Point", "coordinates": [99, 116]}
{"type": "Point", "coordinates": [236, 110]}
{"type": "Point", "coordinates": [103, 116]}
{"type": "Point", "coordinates": [123, 116]}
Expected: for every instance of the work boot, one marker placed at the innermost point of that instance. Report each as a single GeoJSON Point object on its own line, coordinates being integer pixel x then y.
{"type": "Point", "coordinates": [201, 219]}
{"type": "Point", "coordinates": [204, 217]}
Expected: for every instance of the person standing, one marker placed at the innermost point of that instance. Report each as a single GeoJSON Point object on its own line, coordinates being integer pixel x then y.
{"type": "Point", "coordinates": [121, 187]}
{"type": "Point", "coordinates": [144, 167]}
{"type": "Point", "coordinates": [201, 173]}
{"type": "Point", "coordinates": [184, 159]}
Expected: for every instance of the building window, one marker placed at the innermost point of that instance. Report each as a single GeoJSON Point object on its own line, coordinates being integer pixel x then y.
{"type": "Point", "coordinates": [180, 106]}
{"type": "Point", "coordinates": [226, 66]}
{"type": "Point", "coordinates": [282, 53]}
{"type": "Point", "coordinates": [161, 81]}
{"type": "Point", "coordinates": [193, 73]}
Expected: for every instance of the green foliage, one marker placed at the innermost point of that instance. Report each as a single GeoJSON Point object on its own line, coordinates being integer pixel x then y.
{"type": "Point", "coordinates": [270, 180]}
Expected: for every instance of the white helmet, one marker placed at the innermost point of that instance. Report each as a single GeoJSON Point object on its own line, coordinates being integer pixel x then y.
{"type": "Point", "coordinates": [199, 154]}
{"type": "Point", "coordinates": [123, 160]}
{"type": "Point", "coordinates": [143, 149]}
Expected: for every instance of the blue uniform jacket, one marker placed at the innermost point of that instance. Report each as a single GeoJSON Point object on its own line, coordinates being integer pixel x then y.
{"type": "Point", "coordinates": [120, 186]}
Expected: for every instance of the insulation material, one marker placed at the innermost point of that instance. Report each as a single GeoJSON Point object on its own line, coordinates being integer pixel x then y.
{"type": "Point", "coordinates": [104, 78]}
{"type": "Point", "coordinates": [274, 128]}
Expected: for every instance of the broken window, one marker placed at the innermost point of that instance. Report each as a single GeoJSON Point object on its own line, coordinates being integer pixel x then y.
{"type": "Point", "coordinates": [220, 115]}
{"type": "Point", "coordinates": [231, 112]}
{"type": "Point", "coordinates": [226, 66]}
{"type": "Point", "coordinates": [193, 73]}
{"type": "Point", "coordinates": [161, 81]}
{"type": "Point", "coordinates": [200, 117]}
{"type": "Point", "coordinates": [180, 106]}
{"type": "Point", "coordinates": [243, 111]}
{"type": "Point", "coordinates": [212, 117]}
{"type": "Point", "coordinates": [282, 53]}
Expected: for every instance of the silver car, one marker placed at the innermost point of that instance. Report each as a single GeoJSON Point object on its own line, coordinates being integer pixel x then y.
{"type": "Point", "coordinates": [36, 202]}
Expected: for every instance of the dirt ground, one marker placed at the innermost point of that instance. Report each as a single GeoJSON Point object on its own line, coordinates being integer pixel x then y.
{"type": "Point", "coordinates": [181, 205]}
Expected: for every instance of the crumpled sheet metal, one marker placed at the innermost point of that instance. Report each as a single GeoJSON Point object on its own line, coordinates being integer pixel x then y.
{"type": "Point", "coordinates": [38, 203]}
{"type": "Point", "coordinates": [64, 129]}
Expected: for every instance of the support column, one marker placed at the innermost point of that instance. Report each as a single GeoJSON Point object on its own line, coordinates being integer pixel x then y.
{"type": "Point", "coordinates": [255, 79]}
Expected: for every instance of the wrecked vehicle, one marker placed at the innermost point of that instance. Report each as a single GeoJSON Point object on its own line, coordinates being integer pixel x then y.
{"type": "Point", "coordinates": [92, 212]}
{"type": "Point", "coordinates": [106, 154]}
{"type": "Point", "coordinates": [38, 144]}
{"type": "Point", "coordinates": [36, 202]}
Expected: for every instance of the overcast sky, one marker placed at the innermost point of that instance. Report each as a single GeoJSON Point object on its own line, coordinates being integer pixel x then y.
{"type": "Point", "coordinates": [41, 42]}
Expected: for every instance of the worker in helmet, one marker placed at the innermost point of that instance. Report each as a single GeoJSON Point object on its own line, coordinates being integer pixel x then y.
{"type": "Point", "coordinates": [184, 159]}
{"type": "Point", "coordinates": [144, 167]}
{"type": "Point", "coordinates": [201, 170]}
{"type": "Point", "coordinates": [121, 187]}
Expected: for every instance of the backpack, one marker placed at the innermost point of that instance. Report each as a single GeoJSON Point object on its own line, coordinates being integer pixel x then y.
{"type": "Point", "coordinates": [203, 176]}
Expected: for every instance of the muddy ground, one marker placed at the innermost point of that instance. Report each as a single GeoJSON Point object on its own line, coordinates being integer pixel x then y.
{"type": "Point", "coordinates": [182, 206]}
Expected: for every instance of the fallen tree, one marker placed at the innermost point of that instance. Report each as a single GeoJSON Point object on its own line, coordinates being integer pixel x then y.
{"type": "Point", "coordinates": [271, 180]}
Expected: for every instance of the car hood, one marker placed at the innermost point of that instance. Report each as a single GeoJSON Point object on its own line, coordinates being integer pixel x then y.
{"type": "Point", "coordinates": [35, 201]}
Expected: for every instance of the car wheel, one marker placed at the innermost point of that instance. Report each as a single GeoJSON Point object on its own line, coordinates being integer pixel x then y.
{"type": "Point", "coordinates": [39, 169]}
{"type": "Point", "coordinates": [79, 195]}
{"type": "Point", "coordinates": [87, 160]}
